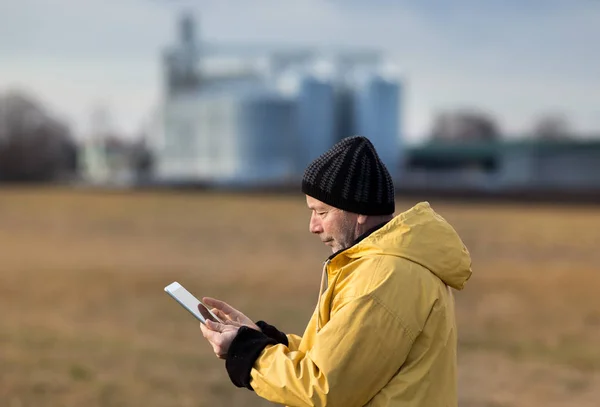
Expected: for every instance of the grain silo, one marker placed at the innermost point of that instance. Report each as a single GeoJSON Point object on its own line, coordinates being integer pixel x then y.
{"type": "Point", "coordinates": [247, 115]}
{"type": "Point", "coordinates": [315, 118]}
{"type": "Point", "coordinates": [376, 116]}
{"type": "Point", "coordinates": [267, 137]}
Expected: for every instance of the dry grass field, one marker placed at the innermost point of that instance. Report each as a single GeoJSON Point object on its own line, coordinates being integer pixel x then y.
{"type": "Point", "coordinates": [85, 322]}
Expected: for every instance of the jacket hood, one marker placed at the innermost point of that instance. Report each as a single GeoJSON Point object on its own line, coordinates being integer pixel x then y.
{"type": "Point", "coordinates": [423, 237]}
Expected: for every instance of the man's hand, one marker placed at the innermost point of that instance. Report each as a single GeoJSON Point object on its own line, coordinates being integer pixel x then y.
{"type": "Point", "coordinates": [219, 336]}
{"type": "Point", "coordinates": [228, 314]}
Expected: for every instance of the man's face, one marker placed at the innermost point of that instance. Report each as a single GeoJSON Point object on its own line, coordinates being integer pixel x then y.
{"type": "Point", "coordinates": [335, 227]}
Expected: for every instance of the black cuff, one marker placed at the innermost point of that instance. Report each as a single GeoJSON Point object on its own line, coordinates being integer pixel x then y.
{"type": "Point", "coordinates": [243, 352]}
{"type": "Point", "coordinates": [273, 333]}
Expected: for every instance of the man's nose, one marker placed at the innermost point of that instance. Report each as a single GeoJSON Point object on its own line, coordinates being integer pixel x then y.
{"type": "Point", "coordinates": [315, 225]}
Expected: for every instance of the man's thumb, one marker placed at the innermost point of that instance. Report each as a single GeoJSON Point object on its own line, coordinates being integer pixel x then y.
{"type": "Point", "coordinates": [213, 325]}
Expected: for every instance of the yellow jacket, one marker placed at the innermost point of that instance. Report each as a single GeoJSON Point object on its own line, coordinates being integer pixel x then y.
{"type": "Point", "coordinates": [384, 331]}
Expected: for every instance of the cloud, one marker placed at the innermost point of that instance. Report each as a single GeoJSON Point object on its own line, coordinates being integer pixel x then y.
{"type": "Point", "coordinates": [512, 58]}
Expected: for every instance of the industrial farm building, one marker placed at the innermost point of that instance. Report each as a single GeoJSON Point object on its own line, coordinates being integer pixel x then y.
{"type": "Point", "coordinates": [519, 167]}
{"type": "Point", "coordinates": [252, 115]}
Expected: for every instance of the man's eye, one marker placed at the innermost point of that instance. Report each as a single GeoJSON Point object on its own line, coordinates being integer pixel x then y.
{"type": "Point", "coordinates": [321, 213]}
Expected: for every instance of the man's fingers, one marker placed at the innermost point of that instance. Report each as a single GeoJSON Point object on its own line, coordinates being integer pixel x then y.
{"type": "Point", "coordinates": [221, 315]}
{"type": "Point", "coordinates": [221, 305]}
{"type": "Point", "coordinates": [214, 339]}
{"type": "Point", "coordinates": [226, 319]}
{"type": "Point", "coordinates": [206, 330]}
{"type": "Point", "coordinates": [215, 326]}
{"type": "Point", "coordinates": [213, 302]}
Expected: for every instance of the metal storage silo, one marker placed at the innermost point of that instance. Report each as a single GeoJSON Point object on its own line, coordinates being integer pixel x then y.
{"type": "Point", "coordinates": [377, 116]}
{"type": "Point", "coordinates": [266, 137]}
{"type": "Point", "coordinates": [345, 125]}
{"type": "Point", "coordinates": [315, 119]}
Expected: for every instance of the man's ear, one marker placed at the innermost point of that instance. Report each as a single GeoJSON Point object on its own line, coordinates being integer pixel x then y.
{"type": "Point", "coordinates": [362, 219]}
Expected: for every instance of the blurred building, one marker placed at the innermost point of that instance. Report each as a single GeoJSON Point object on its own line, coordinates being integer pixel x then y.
{"type": "Point", "coordinates": [524, 166]}
{"type": "Point", "coordinates": [254, 114]}
{"type": "Point", "coordinates": [109, 162]}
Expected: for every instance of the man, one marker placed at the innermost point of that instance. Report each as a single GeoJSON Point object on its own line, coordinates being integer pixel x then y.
{"type": "Point", "coordinates": [384, 330]}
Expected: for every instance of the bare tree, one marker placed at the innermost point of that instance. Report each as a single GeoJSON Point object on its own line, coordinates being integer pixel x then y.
{"type": "Point", "coordinates": [33, 145]}
{"type": "Point", "coordinates": [464, 125]}
{"type": "Point", "coordinates": [142, 158]}
{"type": "Point", "coordinates": [552, 126]}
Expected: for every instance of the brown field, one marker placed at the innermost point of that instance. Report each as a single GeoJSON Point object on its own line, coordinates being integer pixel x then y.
{"type": "Point", "coordinates": [85, 321]}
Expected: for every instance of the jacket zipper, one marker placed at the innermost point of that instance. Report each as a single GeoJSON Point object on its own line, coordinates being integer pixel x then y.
{"type": "Point", "coordinates": [321, 292]}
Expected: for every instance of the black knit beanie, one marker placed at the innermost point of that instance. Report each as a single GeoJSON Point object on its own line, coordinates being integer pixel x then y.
{"type": "Point", "coordinates": [350, 176]}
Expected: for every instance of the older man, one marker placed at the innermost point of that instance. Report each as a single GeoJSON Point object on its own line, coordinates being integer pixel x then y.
{"type": "Point", "coordinates": [384, 330]}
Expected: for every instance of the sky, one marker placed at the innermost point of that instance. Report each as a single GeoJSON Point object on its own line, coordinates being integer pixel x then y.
{"type": "Point", "coordinates": [515, 60]}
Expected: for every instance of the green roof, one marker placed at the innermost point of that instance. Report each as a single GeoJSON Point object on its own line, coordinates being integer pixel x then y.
{"type": "Point", "coordinates": [488, 150]}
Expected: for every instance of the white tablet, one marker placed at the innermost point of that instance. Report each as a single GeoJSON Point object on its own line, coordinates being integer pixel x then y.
{"type": "Point", "coordinates": [191, 303]}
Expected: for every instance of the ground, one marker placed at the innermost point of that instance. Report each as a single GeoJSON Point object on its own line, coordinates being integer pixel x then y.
{"type": "Point", "coordinates": [85, 320]}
